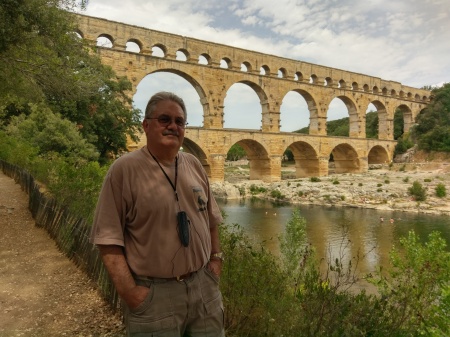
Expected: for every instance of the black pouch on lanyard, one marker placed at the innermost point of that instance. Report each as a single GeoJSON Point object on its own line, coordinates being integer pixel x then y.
{"type": "Point", "coordinates": [183, 228]}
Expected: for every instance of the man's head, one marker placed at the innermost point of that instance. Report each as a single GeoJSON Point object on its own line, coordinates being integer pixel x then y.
{"type": "Point", "coordinates": [164, 96]}
{"type": "Point", "coordinates": [164, 123]}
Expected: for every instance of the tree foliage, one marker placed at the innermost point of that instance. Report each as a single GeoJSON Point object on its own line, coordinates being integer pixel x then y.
{"type": "Point", "coordinates": [433, 124]}
{"type": "Point", "coordinates": [44, 61]}
{"type": "Point", "coordinates": [49, 133]}
{"type": "Point", "coordinates": [236, 152]}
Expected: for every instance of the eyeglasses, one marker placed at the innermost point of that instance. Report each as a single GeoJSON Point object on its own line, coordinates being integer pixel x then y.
{"type": "Point", "coordinates": [165, 120]}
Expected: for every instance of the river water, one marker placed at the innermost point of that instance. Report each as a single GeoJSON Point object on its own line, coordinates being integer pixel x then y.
{"type": "Point", "coordinates": [335, 231]}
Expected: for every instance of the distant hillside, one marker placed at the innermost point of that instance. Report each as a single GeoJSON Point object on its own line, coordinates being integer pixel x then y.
{"type": "Point", "coordinates": [340, 127]}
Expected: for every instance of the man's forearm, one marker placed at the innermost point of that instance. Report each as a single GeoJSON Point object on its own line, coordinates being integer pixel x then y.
{"type": "Point", "coordinates": [215, 243]}
{"type": "Point", "coordinates": [117, 267]}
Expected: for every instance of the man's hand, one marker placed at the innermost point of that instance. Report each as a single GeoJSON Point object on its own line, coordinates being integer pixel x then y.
{"type": "Point", "coordinates": [135, 296]}
{"type": "Point", "coordinates": [215, 265]}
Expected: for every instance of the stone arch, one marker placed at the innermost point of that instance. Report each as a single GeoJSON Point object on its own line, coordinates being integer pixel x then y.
{"type": "Point", "coordinates": [191, 80]}
{"type": "Point", "coordinates": [108, 41]}
{"type": "Point", "coordinates": [204, 59]}
{"type": "Point", "coordinates": [262, 96]}
{"type": "Point", "coordinates": [365, 88]}
{"type": "Point", "coordinates": [134, 45]}
{"type": "Point", "coordinates": [225, 63]}
{"type": "Point", "coordinates": [354, 120]}
{"type": "Point", "coordinates": [191, 147]}
{"type": "Point", "coordinates": [375, 89]}
{"type": "Point", "coordinates": [378, 155]}
{"type": "Point", "coordinates": [382, 119]}
{"type": "Point", "coordinates": [312, 107]}
{"type": "Point", "coordinates": [313, 79]}
{"type": "Point", "coordinates": [264, 70]}
{"type": "Point", "coordinates": [342, 84]}
{"type": "Point", "coordinates": [306, 160]}
{"type": "Point", "coordinates": [345, 159]}
{"type": "Point", "coordinates": [355, 86]}
{"type": "Point", "coordinates": [159, 47]}
{"type": "Point", "coordinates": [328, 82]}
{"type": "Point", "coordinates": [246, 67]}
{"type": "Point", "coordinates": [79, 33]}
{"type": "Point", "coordinates": [298, 76]}
{"type": "Point", "coordinates": [258, 159]}
{"type": "Point", "coordinates": [393, 93]}
{"type": "Point", "coordinates": [407, 117]}
{"type": "Point", "coordinates": [384, 91]}
{"type": "Point", "coordinates": [182, 54]}
{"type": "Point", "coordinates": [282, 72]}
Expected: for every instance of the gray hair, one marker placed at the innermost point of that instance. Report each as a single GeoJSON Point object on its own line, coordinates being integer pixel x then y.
{"type": "Point", "coordinates": [164, 96]}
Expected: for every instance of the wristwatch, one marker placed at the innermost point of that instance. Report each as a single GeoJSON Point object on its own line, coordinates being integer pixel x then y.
{"type": "Point", "coordinates": [217, 256]}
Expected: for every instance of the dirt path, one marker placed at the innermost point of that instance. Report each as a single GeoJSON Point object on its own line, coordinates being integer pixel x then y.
{"type": "Point", "coordinates": [42, 293]}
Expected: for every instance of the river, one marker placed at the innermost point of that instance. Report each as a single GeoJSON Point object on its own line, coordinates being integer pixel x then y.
{"type": "Point", "coordinates": [335, 229]}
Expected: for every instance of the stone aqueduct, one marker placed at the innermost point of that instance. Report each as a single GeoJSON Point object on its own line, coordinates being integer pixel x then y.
{"type": "Point", "coordinates": [271, 77]}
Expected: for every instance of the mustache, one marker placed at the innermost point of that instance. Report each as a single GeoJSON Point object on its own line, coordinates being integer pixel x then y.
{"type": "Point", "coordinates": [170, 133]}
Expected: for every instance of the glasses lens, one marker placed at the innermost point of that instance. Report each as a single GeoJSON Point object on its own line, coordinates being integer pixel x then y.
{"type": "Point", "coordinates": [164, 120]}
{"type": "Point", "coordinates": [180, 122]}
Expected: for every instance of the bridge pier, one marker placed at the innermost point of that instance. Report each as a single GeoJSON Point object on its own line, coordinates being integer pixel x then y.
{"type": "Point", "coordinates": [217, 170]}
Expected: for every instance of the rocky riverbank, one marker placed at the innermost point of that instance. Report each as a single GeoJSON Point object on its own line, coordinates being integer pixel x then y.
{"type": "Point", "coordinates": [382, 187]}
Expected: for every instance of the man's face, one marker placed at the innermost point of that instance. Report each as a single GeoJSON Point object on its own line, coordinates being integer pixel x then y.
{"type": "Point", "coordinates": [162, 133]}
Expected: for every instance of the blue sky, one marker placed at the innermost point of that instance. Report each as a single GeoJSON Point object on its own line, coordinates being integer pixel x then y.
{"type": "Point", "coordinates": [402, 40]}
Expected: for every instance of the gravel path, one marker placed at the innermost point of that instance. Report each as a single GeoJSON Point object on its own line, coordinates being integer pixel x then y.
{"type": "Point", "coordinates": [42, 293]}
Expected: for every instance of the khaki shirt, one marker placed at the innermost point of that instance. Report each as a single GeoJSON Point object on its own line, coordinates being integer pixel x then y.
{"type": "Point", "coordinates": [137, 209]}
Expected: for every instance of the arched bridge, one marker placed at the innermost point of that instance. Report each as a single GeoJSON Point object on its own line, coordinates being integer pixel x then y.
{"type": "Point", "coordinates": [212, 68]}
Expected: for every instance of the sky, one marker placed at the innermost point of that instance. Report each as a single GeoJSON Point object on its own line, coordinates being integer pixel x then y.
{"type": "Point", "coordinates": [401, 40]}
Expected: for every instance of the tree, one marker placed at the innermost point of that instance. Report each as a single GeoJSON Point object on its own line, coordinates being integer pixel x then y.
{"type": "Point", "coordinates": [49, 133]}
{"type": "Point", "coordinates": [236, 152]}
{"type": "Point", "coordinates": [44, 61]}
{"type": "Point", "coordinates": [433, 124]}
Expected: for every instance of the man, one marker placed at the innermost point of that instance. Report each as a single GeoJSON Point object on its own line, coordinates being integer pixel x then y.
{"type": "Point", "coordinates": [156, 226]}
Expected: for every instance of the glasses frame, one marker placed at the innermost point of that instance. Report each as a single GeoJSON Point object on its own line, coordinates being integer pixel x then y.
{"type": "Point", "coordinates": [166, 120]}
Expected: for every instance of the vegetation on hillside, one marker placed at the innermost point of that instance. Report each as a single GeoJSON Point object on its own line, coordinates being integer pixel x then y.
{"type": "Point", "coordinates": [432, 131]}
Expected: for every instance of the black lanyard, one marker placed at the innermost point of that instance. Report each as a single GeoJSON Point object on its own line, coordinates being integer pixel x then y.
{"type": "Point", "coordinates": [174, 186]}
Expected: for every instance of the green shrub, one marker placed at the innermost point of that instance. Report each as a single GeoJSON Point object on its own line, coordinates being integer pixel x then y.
{"type": "Point", "coordinates": [406, 179]}
{"type": "Point", "coordinates": [441, 191]}
{"type": "Point", "coordinates": [379, 185]}
{"type": "Point", "coordinates": [257, 189]}
{"type": "Point", "coordinates": [387, 181]}
{"type": "Point", "coordinates": [315, 179]}
{"type": "Point", "coordinates": [276, 194]}
{"type": "Point", "coordinates": [360, 184]}
{"type": "Point", "coordinates": [415, 293]}
{"type": "Point", "coordinates": [417, 191]}
{"type": "Point", "coordinates": [427, 180]}
{"type": "Point", "coordinates": [336, 182]}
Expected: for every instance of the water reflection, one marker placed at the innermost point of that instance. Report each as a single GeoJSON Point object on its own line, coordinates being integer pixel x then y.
{"type": "Point", "coordinates": [335, 232]}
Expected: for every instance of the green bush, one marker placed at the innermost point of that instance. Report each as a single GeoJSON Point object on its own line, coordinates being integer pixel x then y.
{"type": "Point", "coordinates": [418, 191]}
{"type": "Point", "coordinates": [315, 179]}
{"type": "Point", "coordinates": [415, 293]}
{"type": "Point", "coordinates": [257, 189]}
{"type": "Point", "coordinates": [276, 194]}
{"type": "Point", "coordinates": [441, 191]}
{"type": "Point", "coordinates": [427, 180]}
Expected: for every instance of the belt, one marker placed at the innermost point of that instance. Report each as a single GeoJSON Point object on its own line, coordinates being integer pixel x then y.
{"type": "Point", "coordinates": [179, 278]}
